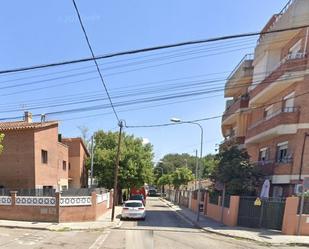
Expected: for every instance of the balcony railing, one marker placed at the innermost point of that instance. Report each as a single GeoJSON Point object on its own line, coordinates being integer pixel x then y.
{"type": "Point", "coordinates": [288, 115]}
{"type": "Point", "coordinates": [268, 166]}
{"type": "Point", "coordinates": [290, 63]}
{"type": "Point", "coordinates": [245, 58]}
{"type": "Point", "coordinates": [239, 103]}
{"type": "Point", "coordinates": [276, 18]}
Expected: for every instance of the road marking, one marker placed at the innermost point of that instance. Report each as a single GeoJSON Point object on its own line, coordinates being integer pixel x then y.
{"type": "Point", "coordinates": [100, 240]}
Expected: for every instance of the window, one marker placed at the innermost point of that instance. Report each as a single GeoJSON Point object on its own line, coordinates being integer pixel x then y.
{"type": "Point", "coordinates": [69, 166]}
{"type": "Point", "coordinates": [295, 49]}
{"type": "Point", "coordinates": [44, 156]}
{"type": "Point", "coordinates": [282, 152]}
{"type": "Point", "coordinates": [263, 154]}
{"type": "Point", "coordinates": [288, 103]}
{"type": "Point", "coordinates": [64, 165]}
{"type": "Point", "coordinates": [268, 112]}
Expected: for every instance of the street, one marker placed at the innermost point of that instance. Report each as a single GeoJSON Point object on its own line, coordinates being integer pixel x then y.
{"type": "Point", "coordinates": [162, 229]}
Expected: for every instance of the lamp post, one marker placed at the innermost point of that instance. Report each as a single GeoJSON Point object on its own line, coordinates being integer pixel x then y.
{"type": "Point", "coordinates": [162, 172]}
{"type": "Point", "coordinates": [177, 120]}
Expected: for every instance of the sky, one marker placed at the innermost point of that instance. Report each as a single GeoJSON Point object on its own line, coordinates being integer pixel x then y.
{"type": "Point", "coordinates": [38, 32]}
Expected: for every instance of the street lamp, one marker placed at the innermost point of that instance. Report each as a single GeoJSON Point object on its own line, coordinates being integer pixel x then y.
{"type": "Point", "coordinates": [162, 187]}
{"type": "Point", "coordinates": [177, 120]}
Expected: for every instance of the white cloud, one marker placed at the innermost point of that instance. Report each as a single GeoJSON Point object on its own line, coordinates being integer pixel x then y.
{"type": "Point", "coordinates": [145, 141]}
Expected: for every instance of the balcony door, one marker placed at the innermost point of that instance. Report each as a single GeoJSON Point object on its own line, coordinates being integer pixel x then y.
{"type": "Point", "coordinates": [288, 103]}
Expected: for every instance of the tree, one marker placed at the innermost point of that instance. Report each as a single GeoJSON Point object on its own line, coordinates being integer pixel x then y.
{"type": "Point", "coordinates": [181, 176]}
{"type": "Point", "coordinates": [170, 162]}
{"type": "Point", "coordinates": [84, 130]}
{"type": "Point", "coordinates": [235, 170]}
{"type": "Point", "coordinates": [1, 140]}
{"type": "Point", "coordinates": [165, 180]}
{"type": "Point", "coordinates": [135, 165]}
{"type": "Point", "coordinates": [209, 164]}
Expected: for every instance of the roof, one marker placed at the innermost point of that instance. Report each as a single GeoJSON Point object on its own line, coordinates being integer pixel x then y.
{"type": "Point", "coordinates": [77, 139]}
{"type": "Point", "coordinates": [21, 125]}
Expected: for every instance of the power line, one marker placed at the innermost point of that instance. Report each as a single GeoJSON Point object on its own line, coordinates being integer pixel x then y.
{"type": "Point", "coordinates": [94, 59]}
{"type": "Point", "coordinates": [215, 117]}
{"type": "Point", "coordinates": [152, 91]}
{"type": "Point", "coordinates": [136, 51]}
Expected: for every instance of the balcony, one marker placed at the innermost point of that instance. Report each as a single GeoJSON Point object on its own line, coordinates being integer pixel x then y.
{"type": "Point", "coordinates": [272, 167]}
{"type": "Point", "coordinates": [274, 20]}
{"type": "Point", "coordinates": [234, 107]}
{"type": "Point", "coordinates": [293, 14]}
{"type": "Point", "coordinates": [291, 69]}
{"type": "Point", "coordinates": [279, 123]}
{"type": "Point", "coordinates": [239, 79]}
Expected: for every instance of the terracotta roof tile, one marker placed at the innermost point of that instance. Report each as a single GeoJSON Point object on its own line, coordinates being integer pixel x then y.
{"type": "Point", "coordinates": [19, 125]}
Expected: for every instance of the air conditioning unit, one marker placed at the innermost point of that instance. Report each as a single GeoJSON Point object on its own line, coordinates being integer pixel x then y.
{"type": "Point", "coordinates": [298, 189]}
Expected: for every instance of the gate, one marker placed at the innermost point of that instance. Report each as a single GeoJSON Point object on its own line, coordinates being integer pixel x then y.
{"type": "Point", "coordinates": [269, 215]}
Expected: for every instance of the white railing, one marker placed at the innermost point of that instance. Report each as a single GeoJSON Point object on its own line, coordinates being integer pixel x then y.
{"type": "Point", "coordinates": [35, 201]}
{"type": "Point", "coordinates": [102, 197]}
{"type": "Point", "coordinates": [5, 200]}
{"type": "Point", "coordinates": [295, 56]}
{"type": "Point", "coordinates": [67, 201]}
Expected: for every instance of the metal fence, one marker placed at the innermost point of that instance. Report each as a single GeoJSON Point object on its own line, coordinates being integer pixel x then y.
{"type": "Point", "coordinates": [227, 200]}
{"type": "Point", "coordinates": [82, 191]}
{"type": "Point", "coordinates": [306, 206]}
{"type": "Point", "coordinates": [36, 192]}
{"type": "Point", "coordinates": [4, 192]}
{"type": "Point", "coordinates": [214, 198]}
{"type": "Point", "coordinates": [52, 192]}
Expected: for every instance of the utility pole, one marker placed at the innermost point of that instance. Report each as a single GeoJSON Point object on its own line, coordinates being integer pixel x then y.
{"type": "Point", "coordinates": [196, 167]}
{"type": "Point", "coordinates": [91, 167]}
{"type": "Point", "coordinates": [115, 196]}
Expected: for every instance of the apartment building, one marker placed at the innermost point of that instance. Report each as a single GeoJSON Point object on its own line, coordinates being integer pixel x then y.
{"type": "Point", "coordinates": [34, 157]}
{"type": "Point", "coordinates": [269, 110]}
{"type": "Point", "coordinates": [78, 154]}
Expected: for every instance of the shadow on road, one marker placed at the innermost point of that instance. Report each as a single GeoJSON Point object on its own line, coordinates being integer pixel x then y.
{"type": "Point", "coordinates": [163, 218]}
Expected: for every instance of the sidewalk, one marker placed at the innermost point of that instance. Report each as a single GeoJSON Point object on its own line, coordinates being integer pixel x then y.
{"type": "Point", "coordinates": [103, 222]}
{"type": "Point", "coordinates": [264, 236]}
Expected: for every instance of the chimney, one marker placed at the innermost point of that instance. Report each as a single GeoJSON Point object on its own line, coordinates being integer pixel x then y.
{"type": "Point", "coordinates": [28, 117]}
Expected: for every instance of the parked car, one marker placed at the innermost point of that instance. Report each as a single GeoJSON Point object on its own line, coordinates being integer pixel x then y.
{"type": "Point", "coordinates": [152, 192]}
{"type": "Point", "coordinates": [138, 198]}
{"type": "Point", "coordinates": [133, 209]}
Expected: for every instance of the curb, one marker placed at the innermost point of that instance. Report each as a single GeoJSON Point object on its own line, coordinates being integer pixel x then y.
{"type": "Point", "coordinates": [61, 229]}
{"type": "Point", "coordinates": [170, 204]}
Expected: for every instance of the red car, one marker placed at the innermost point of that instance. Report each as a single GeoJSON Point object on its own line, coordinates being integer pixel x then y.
{"type": "Point", "coordinates": [138, 198]}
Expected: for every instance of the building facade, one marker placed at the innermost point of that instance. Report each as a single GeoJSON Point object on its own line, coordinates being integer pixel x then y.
{"type": "Point", "coordinates": [269, 110]}
{"type": "Point", "coordinates": [34, 157]}
{"type": "Point", "coordinates": [78, 154]}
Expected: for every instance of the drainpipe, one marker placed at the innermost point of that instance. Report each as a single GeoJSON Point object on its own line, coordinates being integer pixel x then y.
{"type": "Point", "coordinates": [306, 41]}
{"type": "Point", "coordinates": [302, 156]}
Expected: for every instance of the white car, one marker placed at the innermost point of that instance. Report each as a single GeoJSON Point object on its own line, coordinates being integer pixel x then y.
{"type": "Point", "coordinates": [133, 209]}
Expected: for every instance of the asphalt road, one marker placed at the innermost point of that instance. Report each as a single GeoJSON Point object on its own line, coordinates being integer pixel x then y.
{"type": "Point", "coordinates": [162, 229]}
{"type": "Point", "coordinates": [165, 229]}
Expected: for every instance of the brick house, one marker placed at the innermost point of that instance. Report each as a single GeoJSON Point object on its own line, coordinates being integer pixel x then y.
{"type": "Point", "coordinates": [268, 109]}
{"type": "Point", "coordinates": [78, 154]}
{"type": "Point", "coordinates": [33, 157]}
